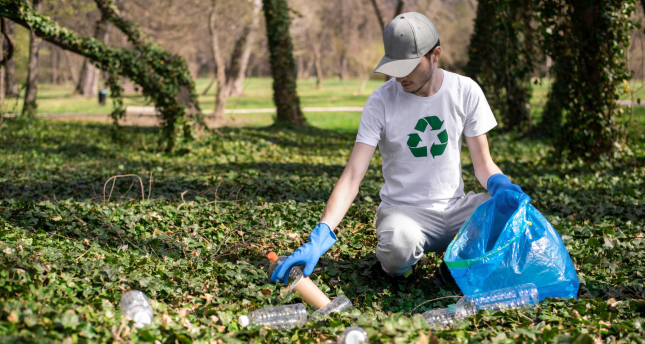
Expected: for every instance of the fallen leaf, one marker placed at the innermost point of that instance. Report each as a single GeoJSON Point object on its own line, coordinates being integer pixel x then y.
{"type": "Point", "coordinates": [220, 328]}
{"type": "Point", "coordinates": [423, 339]}
{"type": "Point", "coordinates": [57, 218]}
{"type": "Point", "coordinates": [166, 320]}
{"type": "Point", "coordinates": [214, 318]}
{"type": "Point", "coordinates": [208, 297]}
{"type": "Point", "coordinates": [7, 250]}
{"type": "Point", "coordinates": [266, 291]}
{"type": "Point", "coordinates": [12, 317]}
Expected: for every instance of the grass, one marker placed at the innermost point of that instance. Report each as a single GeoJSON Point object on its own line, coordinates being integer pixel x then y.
{"type": "Point", "coordinates": [258, 94]}
{"type": "Point", "coordinates": [195, 241]}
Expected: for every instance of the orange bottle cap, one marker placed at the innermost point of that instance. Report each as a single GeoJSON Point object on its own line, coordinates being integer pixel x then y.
{"type": "Point", "coordinates": [272, 257]}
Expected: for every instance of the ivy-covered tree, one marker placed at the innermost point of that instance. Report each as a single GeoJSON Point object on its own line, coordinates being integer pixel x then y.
{"type": "Point", "coordinates": [502, 57]}
{"type": "Point", "coordinates": [283, 65]}
{"type": "Point", "coordinates": [163, 77]}
{"type": "Point", "coordinates": [31, 93]}
{"type": "Point", "coordinates": [587, 40]}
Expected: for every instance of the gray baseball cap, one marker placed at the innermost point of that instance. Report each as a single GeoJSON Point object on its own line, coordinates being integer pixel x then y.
{"type": "Point", "coordinates": [407, 38]}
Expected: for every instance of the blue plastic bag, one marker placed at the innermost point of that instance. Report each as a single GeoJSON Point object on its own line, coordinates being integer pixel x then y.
{"type": "Point", "coordinates": [507, 242]}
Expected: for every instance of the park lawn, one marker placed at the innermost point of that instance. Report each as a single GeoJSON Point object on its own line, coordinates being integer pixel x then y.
{"type": "Point", "coordinates": [68, 251]}
{"type": "Point", "coordinates": [258, 94]}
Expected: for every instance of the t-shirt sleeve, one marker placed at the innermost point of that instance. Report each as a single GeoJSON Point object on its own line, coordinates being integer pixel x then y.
{"type": "Point", "coordinates": [479, 116]}
{"type": "Point", "coordinates": [372, 121]}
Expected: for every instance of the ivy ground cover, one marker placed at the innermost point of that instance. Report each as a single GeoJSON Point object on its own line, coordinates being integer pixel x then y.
{"type": "Point", "coordinates": [194, 232]}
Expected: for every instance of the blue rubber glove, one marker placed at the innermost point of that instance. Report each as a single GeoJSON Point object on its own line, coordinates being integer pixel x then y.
{"type": "Point", "coordinates": [498, 182]}
{"type": "Point", "coordinates": [321, 240]}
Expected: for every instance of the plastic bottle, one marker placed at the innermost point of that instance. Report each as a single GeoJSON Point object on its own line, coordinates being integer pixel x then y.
{"type": "Point", "coordinates": [279, 317]}
{"type": "Point", "coordinates": [275, 260]}
{"type": "Point", "coordinates": [353, 335]}
{"type": "Point", "coordinates": [135, 306]}
{"type": "Point", "coordinates": [521, 296]}
{"type": "Point", "coordinates": [339, 304]}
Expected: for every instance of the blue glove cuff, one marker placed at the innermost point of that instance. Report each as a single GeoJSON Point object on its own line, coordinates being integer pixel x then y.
{"type": "Point", "coordinates": [497, 182]}
{"type": "Point", "coordinates": [323, 236]}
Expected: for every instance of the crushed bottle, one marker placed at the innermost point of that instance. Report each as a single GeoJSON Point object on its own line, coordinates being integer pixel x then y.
{"type": "Point", "coordinates": [135, 306]}
{"type": "Point", "coordinates": [339, 304]}
{"type": "Point", "coordinates": [279, 317]}
{"type": "Point", "coordinates": [275, 260]}
{"type": "Point", "coordinates": [353, 335]}
{"type": "Point", "coordinates": [521, 296]}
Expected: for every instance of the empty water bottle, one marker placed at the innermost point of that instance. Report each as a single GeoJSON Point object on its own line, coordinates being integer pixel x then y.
{"type": "Point", "coordinates": [442, 316]}
{"type": "Point", "coordinates": [353, 335]}
{"type": "Point", "coordinates": [275, 260]}
{"type": "Point", "coordinates": [339, 304]}
{"type": "Point", "coordinates": [279, 317]}
{"type": "Point", "coordinates": [521, 296]}
{"type": "Point", "coordinates": [135, 306]}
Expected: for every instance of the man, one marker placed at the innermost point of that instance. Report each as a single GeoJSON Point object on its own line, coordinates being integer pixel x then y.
{"type": "Point", "coordinates": [417, 120]}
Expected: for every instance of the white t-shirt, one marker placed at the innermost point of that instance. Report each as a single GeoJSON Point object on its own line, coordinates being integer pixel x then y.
{"type": "Point", "coordinates": [420, 139]}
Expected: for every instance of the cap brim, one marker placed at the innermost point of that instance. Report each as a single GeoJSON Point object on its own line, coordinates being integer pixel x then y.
{"type": "Point", "coordinates": [397, 68]}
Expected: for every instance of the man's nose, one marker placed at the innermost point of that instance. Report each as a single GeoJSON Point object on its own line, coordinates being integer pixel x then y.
{"type": "Point", "coordinates": [399, 80]}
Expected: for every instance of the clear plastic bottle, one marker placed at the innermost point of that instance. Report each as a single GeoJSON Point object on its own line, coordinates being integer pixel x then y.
{"type": "Point", "coordinates": [521, 296]}
{"type": "Point", "coordinates": [339, 304]}
{"type": "Point", "coordinates": [135, 306]}
{"type": "Point", "coordinates": [279, 317]}
{"type": "Point", "coordinates": [275, 260]}
{"type": "Point", "coordinates": [353, 335]}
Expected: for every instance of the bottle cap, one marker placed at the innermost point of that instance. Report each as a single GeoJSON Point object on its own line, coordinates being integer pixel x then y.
{"type": "Point", "coordinates": [272, 257]}
{"type": "Point", "coordinates": [244, 320]}
{"type": "Point", "coordinates": [141, 319]}
{"type": "Point", "coordinates": [353, 335]}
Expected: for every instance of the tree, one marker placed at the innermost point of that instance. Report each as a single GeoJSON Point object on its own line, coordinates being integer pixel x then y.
{"type": "Point", "coordinates": [242, 52]}
{"type": "Point", "coordinates": [31, 93]}
{"type": "Point", "coordinates": [221, 94]}
{"type": "Point", "coordinates": [283, 65]}
{"type": "Point", "coordinates": [11, 88]}
{"type": "Point", "coordinates": [587, 41]}
{"type": "Point", "coordinates": [163, 77]}
{"type": "Point", "coordinates": [502, 57]}
{"type": "Point", "coordinates": [89, 78]}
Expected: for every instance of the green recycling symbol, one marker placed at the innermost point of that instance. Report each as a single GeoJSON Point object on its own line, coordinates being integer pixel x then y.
{"type": "Point", "coordinates": [414, 139]}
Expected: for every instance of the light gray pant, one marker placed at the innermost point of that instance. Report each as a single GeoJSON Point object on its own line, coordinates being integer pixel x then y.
{"type": "Point", "coordinates": [406, 233]}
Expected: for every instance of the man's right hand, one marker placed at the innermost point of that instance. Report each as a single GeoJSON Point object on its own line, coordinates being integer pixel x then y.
{"type": "Point", "coordinates": [321, 240]}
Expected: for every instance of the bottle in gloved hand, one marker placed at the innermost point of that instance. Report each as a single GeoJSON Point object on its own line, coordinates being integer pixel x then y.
{"type": "Point", "coordinates": [275, 260]}
{"type": "Point", "coordinates": [279, 317]}
{"type": "Point", "coordinates": [134, 306]}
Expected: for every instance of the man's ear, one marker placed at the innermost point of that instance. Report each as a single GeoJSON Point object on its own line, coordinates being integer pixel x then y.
{"type": "Point", "coordinates": [436, 53]}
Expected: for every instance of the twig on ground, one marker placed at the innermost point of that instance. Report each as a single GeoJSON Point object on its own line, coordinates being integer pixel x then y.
{"type": "Point", "coordinates": [143, 196]}
{"type": "Point", "coordinates": [439, 298]}
{"type": "Point", "coordinates": [150, 184]}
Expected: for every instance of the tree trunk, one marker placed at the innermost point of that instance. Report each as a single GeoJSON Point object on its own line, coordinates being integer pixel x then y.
{"type": "Point", "coordinates": [310, 64]}
{"type": "Point", "coordinates": [2, 68]}
{"type": "Point", "coordinates": [30, 105]}
{"type": "Point", "coordinates": [283, 66]}
{"type": "Point", "coordinates": [54, 59]}
{"type": "Point", "coordinates": [221, 95]}
{"type": "Point", "coordinates": [315, 48]}
{"type": "Point", "coordinates": [73, 73]}
{"type": "Point", "coordinates": [343, 69]}
{"type": "Point", "coordinates": [11, 87]}
{"type": "Point", "coordinates": [88, 82]}
{"type": "Point", "coordinates": [238, 69]}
